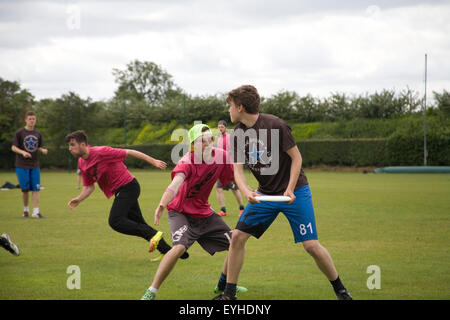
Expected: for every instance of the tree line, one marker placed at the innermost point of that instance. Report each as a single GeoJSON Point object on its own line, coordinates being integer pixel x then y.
{"type": "Point", "coordinates": [147, 95]}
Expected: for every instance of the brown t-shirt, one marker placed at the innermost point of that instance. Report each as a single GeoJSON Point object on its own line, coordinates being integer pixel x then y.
{"type": "Point", "coordinates": [29, 141]}
{"type": "Point", "coordinates": [263, 149]}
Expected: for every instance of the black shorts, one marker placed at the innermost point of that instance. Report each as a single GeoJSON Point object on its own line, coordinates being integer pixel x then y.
{"type": "Point", "coordinates": [212, 232]}
{"type": "Point", "coordinates": [229, 186]}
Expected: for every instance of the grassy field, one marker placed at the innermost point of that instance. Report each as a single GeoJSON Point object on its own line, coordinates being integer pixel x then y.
{"type": "Point", "coordinates": [400, 223]}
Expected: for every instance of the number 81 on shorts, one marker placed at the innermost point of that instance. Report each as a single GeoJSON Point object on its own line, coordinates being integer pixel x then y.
{"type": "Point", "coordinates": [304, 229]}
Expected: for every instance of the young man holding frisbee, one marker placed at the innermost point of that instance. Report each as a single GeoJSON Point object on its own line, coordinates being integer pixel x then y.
{"type": "Point", "coordinates": [105, 166]}
{"type": "Point", "coordinates": [190, 215]}
{"type": "Point", "coordinates": [265, 143]}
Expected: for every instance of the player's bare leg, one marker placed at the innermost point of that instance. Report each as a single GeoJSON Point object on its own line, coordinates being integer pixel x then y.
{"type": "Point", "coordinates": [221, 200]}
{"type": "Point", "coordinates": [167, 263]}
{"type": "Point", "coordinates": [236, 255]}
{"type": "Point", "coordinates": [322, 258]}
{"type": "Point", "coordinates": [326, 265]}
{"type": "Point", "coordinates": [165, 267]}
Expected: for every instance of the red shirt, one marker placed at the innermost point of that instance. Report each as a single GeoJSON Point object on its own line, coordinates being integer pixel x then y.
{"type": "Point", "coordinates": [105, 166]}
{"type": "Point", "coordinates": [224, 142]}
{"type": "Point", "coordinates": [192, 197]}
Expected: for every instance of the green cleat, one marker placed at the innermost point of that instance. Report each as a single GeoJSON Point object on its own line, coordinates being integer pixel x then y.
{"type": "Point", "coordinates": [158, 258]}
{"type": "Point", "coordinates": [239, 289]}
{"type": "Point", "coordinates": [148, 295]}
{"type": "Point", "coordinates": [154, 241]}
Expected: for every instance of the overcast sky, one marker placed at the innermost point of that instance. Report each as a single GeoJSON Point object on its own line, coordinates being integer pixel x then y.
{"type": "Point", "coordinates": [209, 47]}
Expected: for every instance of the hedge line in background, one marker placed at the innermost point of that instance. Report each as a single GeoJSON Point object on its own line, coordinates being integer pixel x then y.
{"type": "Point", "coordinates": [397, 150]}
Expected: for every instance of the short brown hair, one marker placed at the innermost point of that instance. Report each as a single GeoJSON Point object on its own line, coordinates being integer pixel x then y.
{"type": "Point", "coordinates": [79, 136]}
{"type": "Point", "coordinates": [247, 96]}
{"type": "Point", "coordinates": [30, 113]}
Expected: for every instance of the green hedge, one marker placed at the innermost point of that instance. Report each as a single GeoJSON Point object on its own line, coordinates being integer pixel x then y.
{"type": "Point", "coordinates": [397, 150]}
{"type": "Point", "coordinates": [348, 152]}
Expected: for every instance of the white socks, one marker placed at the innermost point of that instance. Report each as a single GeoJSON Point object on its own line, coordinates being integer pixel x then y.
{"type": "Point", "coordinates": [154, 290]}
{"type": "Point", "coordinates": [27, 209]}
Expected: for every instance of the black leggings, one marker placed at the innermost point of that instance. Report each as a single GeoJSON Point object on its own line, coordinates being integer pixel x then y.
{"type": "Point", "coordinates": [126, 216]}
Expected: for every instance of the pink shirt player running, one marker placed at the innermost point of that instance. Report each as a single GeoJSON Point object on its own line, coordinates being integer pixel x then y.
{"type": "Point", "coordinates": [105, 166]}
{"type": "Point", "coordinates": [192, 197]}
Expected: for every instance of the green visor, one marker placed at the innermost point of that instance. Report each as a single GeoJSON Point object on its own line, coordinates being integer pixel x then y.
{"type": "Point", "coordinates": [196, 131]}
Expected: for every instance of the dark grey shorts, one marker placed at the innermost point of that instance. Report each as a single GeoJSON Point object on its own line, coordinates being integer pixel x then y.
{"type": "Point", "coordinates": [212, 232]}
{"type": "Point", "coordinates": [230, 186]}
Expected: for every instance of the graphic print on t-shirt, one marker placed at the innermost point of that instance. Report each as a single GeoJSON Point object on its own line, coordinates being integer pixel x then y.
{"type": "Point", "coordinates": [195, 189]}
{"type": "Point", "coordinates": [30, 143]}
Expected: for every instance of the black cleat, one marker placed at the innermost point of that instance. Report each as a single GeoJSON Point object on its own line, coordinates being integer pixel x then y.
{"type": "Point", "coordinates": [224, 297]}
{"type": "Point", "coordinates": [5, 242]}
{"type": "Point", "coordinates": [344, 294]}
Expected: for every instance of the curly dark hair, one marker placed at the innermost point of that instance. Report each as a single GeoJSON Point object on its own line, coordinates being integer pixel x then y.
{"type": "Point", "coordinates": [247, 96]}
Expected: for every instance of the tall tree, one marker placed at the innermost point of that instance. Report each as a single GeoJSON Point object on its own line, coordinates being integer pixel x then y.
{"type": "Point", "coordinates": [143, 81]}
{"type": "Point", "coordinates": [443, 102]}
{"type": "Point", "coordinates": [14, 102]}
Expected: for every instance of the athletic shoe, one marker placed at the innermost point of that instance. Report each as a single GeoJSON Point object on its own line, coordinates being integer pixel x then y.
{"type": "Point", "coordinates": [224, 297]}
{"type": "Point", "coordinates": [222, 213]}
{"type": "Point", "coordinates": [344, 295]}
{"type": "Point", "coordinates": [25, 214]}
{"type": "Point", "coordinates": [158, 258]}
{"type": "Point", "coordinates": [148, 295]}
{"type": "Point", "coordinates": [240, 212]}
{"type": "Point", "coordinates": [6, 243]}
{"type": "Point", "coordinates": [37, 215]}
{"type": "Point", "coordinates": [155, 241]}
{"type": "Point", "coordinates": [239, 289]}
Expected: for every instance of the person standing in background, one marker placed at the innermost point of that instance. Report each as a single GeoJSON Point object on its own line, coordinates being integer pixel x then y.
{"type": "Point", "coordinates": [224, 143]}
{"type": "Point", "coordinates": [27, 144]}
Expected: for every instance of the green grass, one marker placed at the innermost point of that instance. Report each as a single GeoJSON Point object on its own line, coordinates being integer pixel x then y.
{"type": "Point", "coordinates": [400, 223]}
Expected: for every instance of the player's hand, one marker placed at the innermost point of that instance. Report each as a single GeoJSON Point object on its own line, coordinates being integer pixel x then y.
{"type": "Point", "coordinates": [26, 154]}
{"type": "Point", "coordinates": [250, 196]}
{"type": "Point", "coordinates": [44, 151]}
{"type": "Point", "coordinates": [291, 194]}
{"type": "Point", "coordinates": [158, 213]}
{"type": "Point", "coordinates": [73, 203]}
{"type": "Point", "coordinates": [160, 164]}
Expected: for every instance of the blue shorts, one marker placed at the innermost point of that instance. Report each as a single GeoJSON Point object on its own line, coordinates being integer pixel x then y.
{"type": "Point", "coordinates": [258, 217]}
{"type": "Point", "coordinates": [29, 179]}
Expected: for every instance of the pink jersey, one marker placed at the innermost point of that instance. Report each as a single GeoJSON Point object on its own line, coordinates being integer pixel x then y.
{"type": "Point", "coordinates": [224, 142]}
{"type": "Point", "coordinates": [192, 197]}
{"type": "Point", "coordinates": [105, 166]}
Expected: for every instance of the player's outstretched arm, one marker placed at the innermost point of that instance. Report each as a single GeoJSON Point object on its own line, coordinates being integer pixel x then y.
{"type": "Point", "coordinates": [168, 196]}
{"type": "Point", "coordinates": [241, 181]}
{"type": "Point", "coordinates": [142, 156]}
{"type": "Point", "coordinates": [85, 192]}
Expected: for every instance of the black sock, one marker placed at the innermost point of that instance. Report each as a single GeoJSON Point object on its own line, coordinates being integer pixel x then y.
{"type": "Point", "coordinates": [163, 247]}
{"type": "Point", "coordinates": [230, 290]}
{"type": "Point", "coordinates": [223, 209]}
{"type": "Point", "coordinates": [337, 285]}
{"type": "Point", "coordinates": [241, 207]}
{"type": "Point", "coordinates": [222, 282]}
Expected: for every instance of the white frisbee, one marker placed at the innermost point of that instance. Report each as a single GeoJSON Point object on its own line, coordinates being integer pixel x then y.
{"type": "Point", "coordinates": [274, 198]}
